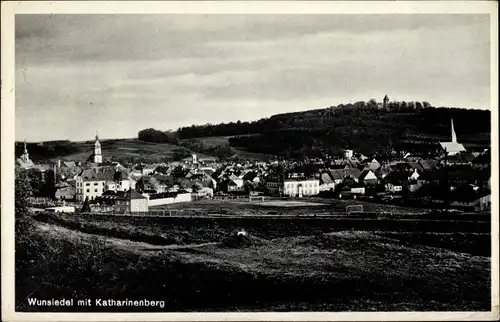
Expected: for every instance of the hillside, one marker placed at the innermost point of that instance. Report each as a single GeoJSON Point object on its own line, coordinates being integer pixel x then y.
{"type": "Point", "coordinates": [123, 150]}
{"type": "Point", "coordinates": [365, 129]}
{"type": "Point", "coordinates": [361, 127]}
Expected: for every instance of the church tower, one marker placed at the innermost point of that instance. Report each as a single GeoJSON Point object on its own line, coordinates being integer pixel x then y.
{"type": "Point", "coordinates": [453, 134]}
{"type": "Point", "coordinates": [25, 156]}
{"type": "Point", "coordinates": [386, 102]}
{"type": "Point", "coordinates": [97, 150]}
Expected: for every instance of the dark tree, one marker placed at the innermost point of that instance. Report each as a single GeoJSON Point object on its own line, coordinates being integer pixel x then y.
{"type": "Point", "coordinates": [86, 205]}
{"type": "Point", "coordinates": [23, 191]}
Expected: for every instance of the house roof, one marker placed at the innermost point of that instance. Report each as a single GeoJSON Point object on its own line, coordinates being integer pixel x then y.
{"type": "Point", "coordinates": [462, 157]}
{"type": "Point", "coordinates": [93, 175]}
{"type": "Point", "coordinates": [340, 174]}
{"type": "Point", "coordinates": [382, 171]}
{"type": "Point", "coordinates": [415, 165]}
{"type": "Point", "coordinates": [69, 164]}
{"type": "Point", "coordinates": [363, 174]}
{"type": "Point", "coordinates": [325, 178]}
{"type": "Point", "coordinates": [131, 195]}
{"type": "Point", "coordinates": [428, 164]}
{"type": "Point", "coordinates": [452, 147]}
{"type": "Point", "coordinates": [250, 175]}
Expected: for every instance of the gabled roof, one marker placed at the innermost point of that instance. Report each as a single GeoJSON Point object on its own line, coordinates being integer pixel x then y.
{"type": "Point", "coordinates": [428, 164]}
{"type": "Point", "coordinates": [340, 174]}
{"type": "Point", "coordinates": [452, 147]}
{"type": "Point", "coordinates": [131, 195]}
{"type": "Point", "coordinates": [250, 175]}
{"type": "Point", "coordinates": [69, 164]}
{"type": "Point", "coordinates": [363, 174]}
{"type": "Point", "coordinates": [415, 165]}
{"type": "Point", "coordinates": [383, 171]}
{"type": "Point", "coordinates": [325, 178]}
{"type": "Point", "coordinates": [92, 175]}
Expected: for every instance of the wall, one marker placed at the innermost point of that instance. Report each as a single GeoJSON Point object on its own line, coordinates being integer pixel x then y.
{"type": "Point", "coordinates": [182, 197]}
{"type": "Point", "coordinates": [139, 205]}
{"type": "Point", "coordinates": [61, 209]}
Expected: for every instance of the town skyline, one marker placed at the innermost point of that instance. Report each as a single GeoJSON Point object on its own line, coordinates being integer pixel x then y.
{"type": "Point", "coordinates": [169, 73]}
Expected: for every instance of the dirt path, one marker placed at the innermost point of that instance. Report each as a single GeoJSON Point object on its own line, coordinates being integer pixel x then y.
{"type": "Point", "coordinates": [140, 248]}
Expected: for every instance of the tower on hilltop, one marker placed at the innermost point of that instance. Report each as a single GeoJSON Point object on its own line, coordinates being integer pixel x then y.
{"type": "Point", "coordinates": [386, 102]}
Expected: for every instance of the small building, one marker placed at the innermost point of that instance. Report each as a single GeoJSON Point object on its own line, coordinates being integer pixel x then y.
{"type": "Point", "coordinates": [65, 191]}
{"type": "Point", "coordinates": [235, 184]}
{"type": "Point", "coordinates": [483, 160]}
{"type": "Point", "coordinates": [131, 201]}
{"type": "Point", "coordinates": [368, 177]}
{"type": "Point", "coordinates": [348, 154]}
{"type": "Point", "coordinates": [357, 189]}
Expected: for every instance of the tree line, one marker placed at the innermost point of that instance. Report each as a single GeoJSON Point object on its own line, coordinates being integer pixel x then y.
{"type": "Point", "coordinates": [419, 117]}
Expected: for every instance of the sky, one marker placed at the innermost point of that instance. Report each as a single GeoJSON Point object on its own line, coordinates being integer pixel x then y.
{"type": "Point", "coordinates": [118, 74]}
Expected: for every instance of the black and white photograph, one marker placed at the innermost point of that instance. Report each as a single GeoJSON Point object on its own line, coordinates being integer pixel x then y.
{"type": "Point", "coordinates": [252, 162]}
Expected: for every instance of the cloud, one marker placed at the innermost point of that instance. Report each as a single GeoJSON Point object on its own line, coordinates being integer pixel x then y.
{"type": "Point", "coordinates": [122, 73]}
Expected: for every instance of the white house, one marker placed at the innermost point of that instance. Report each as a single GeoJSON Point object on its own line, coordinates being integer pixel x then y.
{"type": "Point", "coordinates": [392, 187]}
{"type": "Point", "coordinates": [91, 183]}
{"type": "Point", "coordinates": [300, 188]}
{"type": "Point", "coordinates": [358, 189]}
{"type": "Point", "coordinates": [235, 185]}
{"type": "Point", "coordinates": [348, 154]}
{"type": "Point", "coordinates": [414, 175]}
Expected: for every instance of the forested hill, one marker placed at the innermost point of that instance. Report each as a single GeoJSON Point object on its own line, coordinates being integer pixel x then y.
{"type": "Point", "coordinates": [362, 126]}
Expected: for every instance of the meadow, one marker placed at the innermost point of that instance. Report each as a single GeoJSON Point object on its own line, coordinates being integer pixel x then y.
{"type": "Point", "coordinates": [198, 264]}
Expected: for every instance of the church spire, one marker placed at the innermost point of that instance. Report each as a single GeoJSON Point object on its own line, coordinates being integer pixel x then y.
{"type": "Point", "coordinates": [97, 150]}
{"type": "Point", "coordinates": [453, 134]}
{"type": "Point", "coordinates": [25, 150]}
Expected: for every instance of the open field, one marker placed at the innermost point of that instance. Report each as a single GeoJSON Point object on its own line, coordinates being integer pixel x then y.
{"type": "Point", "coordinates": [309, 206]}
{"type": "Point", "coordinates": [129, 148]}
{"type": "Point", "coordinates": [287, 203]}
{"type": "Point", "coordinates": [125, 148]}
{"type": "Point", "coordinates": [275, 268]}
{"type": "Point", "coordinates": [197, 230]}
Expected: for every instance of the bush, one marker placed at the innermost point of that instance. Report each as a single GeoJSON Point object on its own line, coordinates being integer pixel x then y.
{"type": "Point", "coordinates": [152, 135]}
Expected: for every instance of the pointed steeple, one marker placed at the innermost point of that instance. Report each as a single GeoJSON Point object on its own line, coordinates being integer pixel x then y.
{"type": "Point", "coordinates": [96, 136]}
{"type": "Point", "coordinates": [25, 150]}
{"type": "Point", "coordinates": [453, 134]}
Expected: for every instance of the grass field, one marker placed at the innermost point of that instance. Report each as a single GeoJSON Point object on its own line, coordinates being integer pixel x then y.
{"type": "Point", "coordinates": [308, 206]}
{"type": "Point", "coordinates": [282, 266]}
{"type": "Point", "coordinates": [125, 148]}
{"type": "Point", "coordinates": [134, 148]}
